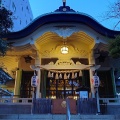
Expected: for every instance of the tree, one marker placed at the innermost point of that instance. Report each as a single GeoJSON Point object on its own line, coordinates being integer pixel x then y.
{"type": "Point", "coordinates": [113, 13]}
{"type": "Point", "coordinates": [5, 25]}
{"type": "Point", "coordinates": [114, 47]}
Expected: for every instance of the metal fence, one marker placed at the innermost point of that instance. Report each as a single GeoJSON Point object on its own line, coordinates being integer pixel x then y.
{"type": "Point", "coordinates": [87, 106]}
{"type": "Point", "coordinates": [45, 106]}
{"type": "Point", "coordinates": [41, 106]}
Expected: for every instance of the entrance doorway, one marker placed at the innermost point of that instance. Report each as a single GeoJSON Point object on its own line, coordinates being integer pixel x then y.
{"type": "Point", "coordinates": [106, 88]}
{"type": "Point", "coordinates": [62, 88]}
{"type": "Point", "coordinates": [26, 89]}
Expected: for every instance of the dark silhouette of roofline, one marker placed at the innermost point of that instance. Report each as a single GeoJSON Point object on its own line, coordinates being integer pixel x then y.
{"type": "Point", "coordinates": [62, 17]}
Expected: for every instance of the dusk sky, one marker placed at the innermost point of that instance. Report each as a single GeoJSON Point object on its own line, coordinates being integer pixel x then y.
{"type": "Point", "coordinates": [94, 8]}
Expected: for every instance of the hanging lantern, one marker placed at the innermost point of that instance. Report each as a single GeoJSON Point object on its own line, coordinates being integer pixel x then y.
{"type": "Point", "coordinates": [28, 59]}
{"type": "Point", "coordinates": [96, 81]}
{"type": "Point", "coordinates": [34, 81]}
{"type": "Point", "coordinates": [80, 73]}
{"type": "Point", "coordinates": [64, 50]}
{"type": "Point", "coordinates": [56, 76]}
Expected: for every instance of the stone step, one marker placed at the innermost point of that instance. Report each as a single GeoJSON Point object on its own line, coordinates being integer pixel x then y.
{"type": "Point", "coordinates": [57, 117]}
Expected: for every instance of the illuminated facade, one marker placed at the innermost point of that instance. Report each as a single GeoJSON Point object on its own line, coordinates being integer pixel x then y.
{"type": "Point", "coordinates": [61, 74]}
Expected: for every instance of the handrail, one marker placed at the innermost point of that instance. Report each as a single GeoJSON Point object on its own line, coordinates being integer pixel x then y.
{"type": "Point", "coordinates": [110, 101]}
{"type": "Point", "coordinates": [67, 109]}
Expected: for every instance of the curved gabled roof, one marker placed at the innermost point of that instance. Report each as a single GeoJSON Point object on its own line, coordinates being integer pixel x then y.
{"type": "Point", "coordinates": [63, 16]}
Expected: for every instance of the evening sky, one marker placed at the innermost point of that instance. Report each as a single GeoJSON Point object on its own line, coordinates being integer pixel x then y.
{"type": "Point", "coordinates": [94, 8]}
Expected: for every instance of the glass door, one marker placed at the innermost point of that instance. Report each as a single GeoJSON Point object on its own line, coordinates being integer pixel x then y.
{"type": "Point", "coordinates": [62, 88]}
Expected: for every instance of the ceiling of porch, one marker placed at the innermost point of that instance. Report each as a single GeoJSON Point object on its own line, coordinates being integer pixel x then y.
{"type": "Point", "coordinates": [79, 45]}
{"type": "Point", "coordinates": [49, 46]}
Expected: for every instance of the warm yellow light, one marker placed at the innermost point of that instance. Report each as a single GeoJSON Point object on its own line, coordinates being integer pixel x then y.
{"type": "Point", "coordinates": [64, 50]}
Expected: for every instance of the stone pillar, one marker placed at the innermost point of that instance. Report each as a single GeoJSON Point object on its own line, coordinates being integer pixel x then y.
{"type": "Point", "coordinates": [37, 64]}
{"type": "Point", "coordinates": [92, 62]}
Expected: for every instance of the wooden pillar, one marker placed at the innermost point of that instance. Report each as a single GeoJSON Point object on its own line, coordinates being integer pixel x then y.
{"type": "Point", "coordinates": [113, 81]}
{"type": "Point", "coordinates": [18, 78]}
{"type": "Point", "coordinates": [92, 62]}
{"type": "Point", "coordinates": [17, 82]}
{"type": "Point", "coordinates": [37, 64]}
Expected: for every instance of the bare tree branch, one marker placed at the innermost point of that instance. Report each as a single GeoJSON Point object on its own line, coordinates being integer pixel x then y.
{"type": "Point", "coordinates": [116, 24]}
{"type": "Point", "coordinates": [113, 13]}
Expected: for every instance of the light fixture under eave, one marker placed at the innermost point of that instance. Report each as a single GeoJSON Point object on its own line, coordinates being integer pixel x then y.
{"type": "Point", "coordinates": [64, 50]}
{"type": "Point", "coordinates": [28, 59]}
